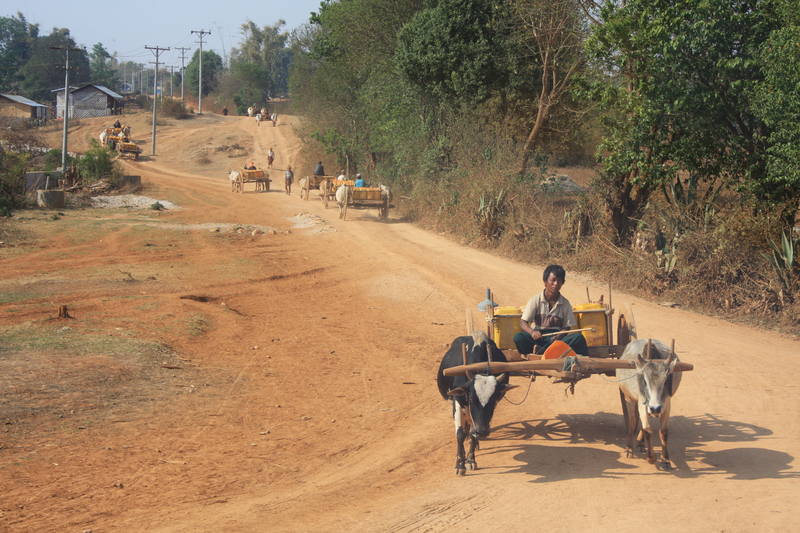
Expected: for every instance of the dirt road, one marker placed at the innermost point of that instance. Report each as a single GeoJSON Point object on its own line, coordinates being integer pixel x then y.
{"type": "Point", "coordinates": [300, 392]}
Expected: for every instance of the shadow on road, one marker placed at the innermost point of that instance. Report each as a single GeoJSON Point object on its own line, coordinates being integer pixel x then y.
{"type": "Point", "coordinates": [688, 439]}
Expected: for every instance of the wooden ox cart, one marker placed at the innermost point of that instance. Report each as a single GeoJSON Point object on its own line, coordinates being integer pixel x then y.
{"type": "Point", "coordinates": [328, 186]}
{"type": "Point", "coordinates": [257, 176]}
{"type": "Point", "coordinates": [595, 322]}
{"type": "Point", "coordinates": [312, 182]}
{"type": "Point", "coordinates": [365, 198]}
{"type": "Point", "coordinates": [128, 149]}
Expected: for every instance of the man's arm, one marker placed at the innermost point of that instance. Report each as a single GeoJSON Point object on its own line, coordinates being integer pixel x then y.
{"type": "Point", "coordinates": [526, 327]}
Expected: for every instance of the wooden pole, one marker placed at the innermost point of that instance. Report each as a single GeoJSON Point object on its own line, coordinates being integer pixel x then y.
{"type": "Point", "coordinates": [582, 363]}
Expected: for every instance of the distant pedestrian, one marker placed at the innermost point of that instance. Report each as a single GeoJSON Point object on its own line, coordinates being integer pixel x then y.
{"type": "Point", "coordinates": [270, 158]}
{"type": "Point", "coordinates": [319, 170]}
{"type": "Point", "coordinates": [288, 178]}
{"type": "Point", "coordinates": [225, 111]}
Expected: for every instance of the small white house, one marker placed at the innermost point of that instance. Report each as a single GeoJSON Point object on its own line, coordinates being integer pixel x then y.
{"type": "Point", "coordinates": [89, 101]}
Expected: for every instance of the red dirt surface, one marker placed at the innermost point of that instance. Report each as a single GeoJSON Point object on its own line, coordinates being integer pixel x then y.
{"type": "Point", "coordinates": [301, 396]}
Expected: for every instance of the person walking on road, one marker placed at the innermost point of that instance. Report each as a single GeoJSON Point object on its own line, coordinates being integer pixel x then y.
{"type": "Point", "coordinates": [288, 178]}
{"type": "Point", "coordinates": [270, 157]}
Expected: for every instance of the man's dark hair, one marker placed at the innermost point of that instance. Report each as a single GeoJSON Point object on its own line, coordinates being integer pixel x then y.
{"type": "Point", "coordinates": [558, 270]}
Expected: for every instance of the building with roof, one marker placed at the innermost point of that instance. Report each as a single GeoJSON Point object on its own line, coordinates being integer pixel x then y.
{"type": "Point", "coordinates": [89, 101]}
{"type": "Point", "coordinates": [14, 106]}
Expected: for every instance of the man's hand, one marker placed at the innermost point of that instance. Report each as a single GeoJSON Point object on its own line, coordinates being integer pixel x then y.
{"type": "Point", "coordinates": [536, 334]}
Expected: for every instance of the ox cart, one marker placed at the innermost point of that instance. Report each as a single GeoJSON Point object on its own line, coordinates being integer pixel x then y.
{"type": "Point", "coordinates": [328, 186]}
{"type": "Point", "coordinates": [595, 323]}
{"type": "Point", "coordinates": [257, 176]}
{"type": "Point", "coordinates": [312, 182]}
{"type": "Point", "coordinates": [364, 198]}
{"type": "Point", "coordinates": [474, 374]}
{"type": "Point", "coordinates": [128, 149]}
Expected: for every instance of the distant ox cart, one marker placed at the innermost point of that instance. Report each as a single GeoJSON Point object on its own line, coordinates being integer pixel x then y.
{"type": "Point", "coordinates": [313, 182]}
{"type": "Point", "coordinates": [129, 149]}
{"type": "Point", "coordinates": [474, 374]}
{"type": "Point", "coordinates": [348, 197]}
{"type": "Point", "coordinates": [239, 178]}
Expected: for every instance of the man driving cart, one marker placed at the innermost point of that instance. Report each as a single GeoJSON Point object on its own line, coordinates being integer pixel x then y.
{"type": "Point", "coordinates": [548, 312]}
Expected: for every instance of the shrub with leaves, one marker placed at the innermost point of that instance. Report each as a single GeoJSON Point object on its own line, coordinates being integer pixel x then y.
{"type": "Point", "coordinates": [96, 163]}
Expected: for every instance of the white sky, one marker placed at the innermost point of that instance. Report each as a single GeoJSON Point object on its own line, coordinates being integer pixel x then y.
{"type": "Point", "coordinates": [126, 26]}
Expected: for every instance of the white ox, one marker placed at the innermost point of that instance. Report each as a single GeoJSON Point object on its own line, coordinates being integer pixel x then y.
{"type": "Point", "coordinates": [646, 392]}
{"type": "Point", "coordinates": [235, 177]}
{"type": "Point", "coordinates": [103, 137]}
{"type": "Point", "coordinates": [342, 198]}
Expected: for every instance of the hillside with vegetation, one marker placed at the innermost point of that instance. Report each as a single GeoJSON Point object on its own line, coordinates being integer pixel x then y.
{"type": "Point", "coordinates": [687, 112]}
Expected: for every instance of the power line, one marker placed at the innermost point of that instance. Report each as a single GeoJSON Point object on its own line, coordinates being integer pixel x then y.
{"type": "Point", "coordinates": [201, 33]}
{"type": "Point", "coordinates": [67, 50]}
{"type": "Point", "coordinates": [183, 58]}
{"type": "Point", "coordinates": [156, 51]}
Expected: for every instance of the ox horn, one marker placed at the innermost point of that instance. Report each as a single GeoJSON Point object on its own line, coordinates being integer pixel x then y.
{"type": "Point", "coordinates": [647, 349]}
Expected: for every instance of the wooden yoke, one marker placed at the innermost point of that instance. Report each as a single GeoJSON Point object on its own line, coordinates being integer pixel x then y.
{"type": "Point", "coordinates": [581, 363]}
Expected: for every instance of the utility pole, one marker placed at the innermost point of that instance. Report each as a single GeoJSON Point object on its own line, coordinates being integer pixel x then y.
{"type": "Point", "coordinates": [201, 33]}
{"type": "Point", "coordinates": [156, 51]}
{"type": "Point", "coordinates": [171, 76]}
{"type": "Point", "coordinates": [67, 50]}
{"type": "Point", "coordinates": [183, 59]}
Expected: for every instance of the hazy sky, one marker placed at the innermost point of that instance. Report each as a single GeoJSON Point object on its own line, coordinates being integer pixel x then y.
{"type": "Point", "coordinates": [126, 26]}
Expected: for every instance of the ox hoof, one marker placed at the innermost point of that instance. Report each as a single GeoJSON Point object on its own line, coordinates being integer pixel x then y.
{"type": "Point", "coordinates": [651, 460]}
{"type": "Point", "coordinates": [628, 453]}
{"type": "Point", "coordinates": [461, 471]}
{"type": "Point", "coordinates": [665, 466]}
{"type": "Point", "coordinates": [472, 465]}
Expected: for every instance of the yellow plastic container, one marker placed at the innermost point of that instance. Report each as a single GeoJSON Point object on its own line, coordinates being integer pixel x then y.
{"type": "Point", "coordinates": [506, 325]}
{"type": "Point", "coordinates": [593, 315]}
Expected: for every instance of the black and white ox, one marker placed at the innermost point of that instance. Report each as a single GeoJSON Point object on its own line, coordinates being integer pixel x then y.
{"type": "Point", "coordinates": [646, 392]}
{"type": "Point", "coordinates": [474, 397]}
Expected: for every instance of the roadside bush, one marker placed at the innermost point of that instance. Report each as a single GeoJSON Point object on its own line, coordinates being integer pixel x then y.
{"type": "Point", "coordinates": [174, 109]}
{"type": "Point", "coordinates": [96, 163]}
{"type": "Point", "coordinates": [12, 168]}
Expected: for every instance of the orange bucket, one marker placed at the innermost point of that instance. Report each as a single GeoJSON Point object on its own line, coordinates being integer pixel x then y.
{"type": "Point", "coordinates": [557, 350]}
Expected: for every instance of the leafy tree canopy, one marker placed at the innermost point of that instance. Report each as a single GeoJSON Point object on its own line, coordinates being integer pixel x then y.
{"type": "Point", "coordinates": [212, 68]}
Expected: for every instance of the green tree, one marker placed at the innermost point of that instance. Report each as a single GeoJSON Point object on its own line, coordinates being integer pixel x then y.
{"type": "Point", "coordinates": [16, 41]}
{"type": "Point", "coordinates": [777, 102]}
{"type": "Point", "coordinates": [453, 49]}
{"type": "Point", "coordinates": [212, 68]}
{"type": "Point", "coordinates": [102, 67]}
{"type": "Point", "coordinates": [44, 70]}
{"type": "Point", "coordinates": [681, 102]}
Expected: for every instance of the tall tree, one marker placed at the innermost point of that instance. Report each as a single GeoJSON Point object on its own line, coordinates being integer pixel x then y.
{"type": "Point", "coordinates": [212, 68]}
{"type": "Point", "coordinates": [553, 34]}
{"type": "Point", "coordinates": [17, 37]}
{"type": "Point", "coordinates": [44, 70]}
{"type": "Point", "coordinates": [102, 67]}
{"type": "Point", "coordinates": [683, 103]}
